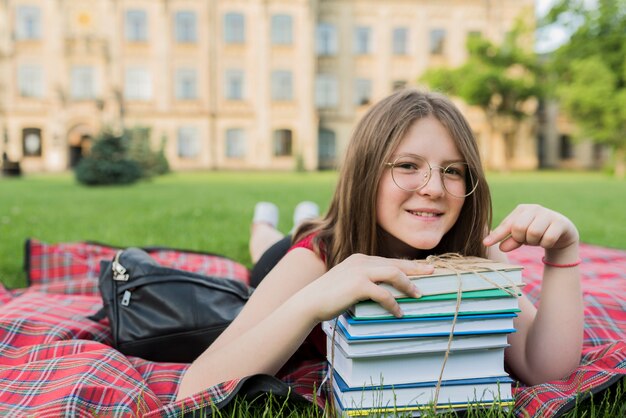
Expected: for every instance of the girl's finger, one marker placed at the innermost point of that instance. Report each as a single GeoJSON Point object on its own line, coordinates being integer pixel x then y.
{"type": "Point", "coordinates": [509, 244]}
{"type": "Point", "coordinates": [410, 267]}
{"type": "Point", "coordinates": [551, 236]}
{"type": "Point", "coordinates": [395, 277]}
{"type": "Point", "coordinates": [536, 230]}
{"type": "Point", "coordinates": [519, 227]}
{"type": "Point", "coordinates": [386, 300]}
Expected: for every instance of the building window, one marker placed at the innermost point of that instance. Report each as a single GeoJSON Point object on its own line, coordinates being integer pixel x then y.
{"type": "Point", "coordinates": [136, 26]}
{"type": "Point", "coordinates": [234, 85]}
{"type": "Point", "coordinates": [28, 22]}
{"type": "Point", "coordinates": [326, 39]}
{"type": "Point", "coordinates": [30, 81]}
{"type": "Point", "coordinates": [326, 91]}
{"type": "Point", "coordinates": [31, 141]}
{"type": "Point", "coordinates": [437, 41]}
{"type": "Point", "coordinates": [138, 84]}
{"type": "Point", "coordinates": [566, 149]}
{"type": "Point", "coordinates": [326, 148]}
{"type": "Point", "coordinates": [362, 40]}
{"type": "Point", "coordinates": [282, 30]}
{"type": "Point", "coordinates": [185, 26]}
{"type": "Point", "coordinates": [362, 91]}
{"type": "Point", "coordinates": [186, 84]}
{"type": "Point", "coordinates": [235, 143]}
{"type": "Point", "coordinates": [400, 41]}
{"type": "Point", "coordinates": [83, 83]}
{"type": "Point", "coordinates": [234, 28]}
{"type": "Point", "coordinates": [282, 85]}
{"type": "Point", "coordinates": [188, 142]}
{"type": "Point", "coordinates": [282, 142]}
{"type": "Point", "coordinates": [398, 85]}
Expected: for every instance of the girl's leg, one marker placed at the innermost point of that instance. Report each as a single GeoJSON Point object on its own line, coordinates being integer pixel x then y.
{"type": "Point", "coordinates": [262, 237]}
{"type": "Point", "coordinates": [267, 244]}
{"type": "Point", "coordinates": [263, 233]}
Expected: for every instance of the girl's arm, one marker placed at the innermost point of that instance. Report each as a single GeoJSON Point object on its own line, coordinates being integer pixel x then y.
{"type": "Point", "coordinates": [295, 296]}
{"type": "Point", "coordinates": [548, 341]}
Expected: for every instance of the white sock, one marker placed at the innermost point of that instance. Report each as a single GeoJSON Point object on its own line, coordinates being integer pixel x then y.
{"type": "Point", "coordinates": [304, 211]}
{"type": "Point", "coordinates": [266, 212]}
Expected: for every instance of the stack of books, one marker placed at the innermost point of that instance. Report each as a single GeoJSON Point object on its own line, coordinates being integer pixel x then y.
{"type": "Point", "coordinates": [383, 364]}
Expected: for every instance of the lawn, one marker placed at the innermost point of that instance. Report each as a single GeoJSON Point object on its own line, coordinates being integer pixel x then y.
{"type": "Point", "coordinates": [211, 211]}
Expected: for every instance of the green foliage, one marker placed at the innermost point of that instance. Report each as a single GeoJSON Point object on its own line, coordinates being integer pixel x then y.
{"type": "Point", "coordinates": [108, 163]}
{"type": "Point", "coordinates": [152, 163]}
{"type": "Point", "coordinates": [590, 70]}
{"type": "Point", "coordinates": [124, 159]}
{"type": "Point", "coordinates": [500, 79]}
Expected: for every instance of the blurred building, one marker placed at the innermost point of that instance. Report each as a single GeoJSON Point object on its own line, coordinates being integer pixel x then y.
{"type": "Point", "coordinates": [227, 84]}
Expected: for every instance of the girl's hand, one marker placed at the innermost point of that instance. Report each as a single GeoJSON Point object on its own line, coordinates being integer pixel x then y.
{"type": "Point", "coordinates": [356, 279]}
{"type": "Point", "coordinates": [537, 226]}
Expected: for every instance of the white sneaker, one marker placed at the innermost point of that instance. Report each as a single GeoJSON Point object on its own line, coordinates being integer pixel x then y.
{"type": "Point", "coordinates": [266, 212]}
{"type": "Point", "coordinates": [304, 211]}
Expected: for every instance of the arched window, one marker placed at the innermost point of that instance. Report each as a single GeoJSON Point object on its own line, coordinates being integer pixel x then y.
{"type": "Point", "coordinates": [282, 142]}
{"type": "Point", "coordinates": [31, 142]}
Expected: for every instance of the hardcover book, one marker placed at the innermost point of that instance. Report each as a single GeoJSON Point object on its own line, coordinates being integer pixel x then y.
{"type": "Point", "coordinates": [458, 392]}
{"type": "Point", "coordinates": [375, 347]}
{"type": "Point", "coordinates": [486, 274]}
{"type": "Point", "coordinates": [416, 368]}
{"type": "Point", "coordinates": [426, 326]}
{"type": "Point", "coordinates": [473, 302]}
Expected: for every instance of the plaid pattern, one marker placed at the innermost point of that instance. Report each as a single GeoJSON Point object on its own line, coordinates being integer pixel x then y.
{"type": "Point", "coordinates": [73, 268]}
{"type": "Point", "coordinates": [56, 362]}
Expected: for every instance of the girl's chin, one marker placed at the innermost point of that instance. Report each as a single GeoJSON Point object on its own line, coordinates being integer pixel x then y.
{"type": "Point", "coordinates": [408, 246]}
{"type": "Point", "coordinates": [411, 249]}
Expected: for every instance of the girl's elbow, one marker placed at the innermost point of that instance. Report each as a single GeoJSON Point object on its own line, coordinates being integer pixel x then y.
{"type": "Point", "coordinates": [556, 370]}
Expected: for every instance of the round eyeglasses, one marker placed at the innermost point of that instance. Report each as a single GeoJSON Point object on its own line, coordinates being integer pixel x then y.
{"type": "Point", "coordinates": [412, 172]}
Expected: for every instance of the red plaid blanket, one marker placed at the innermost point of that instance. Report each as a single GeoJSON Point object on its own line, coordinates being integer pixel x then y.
{"type": "Point", "coordinates": [56, 362]}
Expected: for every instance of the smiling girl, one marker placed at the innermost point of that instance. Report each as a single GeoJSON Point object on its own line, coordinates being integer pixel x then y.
{"type": "Point", "coordinates": [411, 185]}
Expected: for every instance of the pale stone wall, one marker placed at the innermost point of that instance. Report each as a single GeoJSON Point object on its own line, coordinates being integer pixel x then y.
{"type": "Point", "coordinates": [92, 33]}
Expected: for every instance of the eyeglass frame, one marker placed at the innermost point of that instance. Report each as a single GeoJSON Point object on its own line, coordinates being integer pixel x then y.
{"type": "Point", "coordinates": [428, 176]}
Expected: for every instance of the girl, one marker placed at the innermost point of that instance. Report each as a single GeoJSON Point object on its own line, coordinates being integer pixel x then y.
{"type": "Point", "coordinates": [411, 185]}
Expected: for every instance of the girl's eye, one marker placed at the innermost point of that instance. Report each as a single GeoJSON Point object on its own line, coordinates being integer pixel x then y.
{"type": "Point", "coordinates": [454, 171]}
{"type": "Point", "coordinates": [406, 166]}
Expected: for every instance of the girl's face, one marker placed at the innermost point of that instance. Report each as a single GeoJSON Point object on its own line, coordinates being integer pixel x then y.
{"type": "Point", "coordinates": [417, 220]}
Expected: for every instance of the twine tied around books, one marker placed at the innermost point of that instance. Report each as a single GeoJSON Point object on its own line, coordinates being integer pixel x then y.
{"type": "Point", "coordinates": [459, 265]}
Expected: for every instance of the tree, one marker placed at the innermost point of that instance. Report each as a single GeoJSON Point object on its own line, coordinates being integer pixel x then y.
{"type": "Point", "coordinates": [590, 70]}
{"type": "Point", "coordinates": [500, 79]}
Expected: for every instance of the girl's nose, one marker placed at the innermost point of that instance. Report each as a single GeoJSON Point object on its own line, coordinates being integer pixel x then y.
{"type": "Point", "coordinates": [434, 187]}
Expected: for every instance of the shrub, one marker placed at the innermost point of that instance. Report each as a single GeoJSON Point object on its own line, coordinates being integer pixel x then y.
{"type": "Point", "coordinates": [108, 163]}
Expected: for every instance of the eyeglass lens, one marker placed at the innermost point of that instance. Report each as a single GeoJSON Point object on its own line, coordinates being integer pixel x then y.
{"type": "Point", "coordinates": [413, 172]}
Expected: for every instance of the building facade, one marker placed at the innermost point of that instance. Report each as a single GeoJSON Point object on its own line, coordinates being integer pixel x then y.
{"type": "Point", "coordinates": [228, 84]}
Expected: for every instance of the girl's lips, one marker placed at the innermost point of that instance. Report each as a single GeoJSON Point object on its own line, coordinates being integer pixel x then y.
{"type": "Point", "coordinates": [425, 213]}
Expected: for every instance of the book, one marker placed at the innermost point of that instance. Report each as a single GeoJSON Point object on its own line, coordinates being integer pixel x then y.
{"type": "Point", "coordinates": [489, 275]}
{"type": "Point", "coordinates": [459, 392]}
{"type": "Point", "coordinates": [415, 410]}
{"type": "Point", "coordinates": [416, 368]}
{"type": "Point", "coordinates": [426, 326]}
{"type": "Point", "coordinates": [374, 347]}
{"type": "Point", "coordinates": [473, 302]}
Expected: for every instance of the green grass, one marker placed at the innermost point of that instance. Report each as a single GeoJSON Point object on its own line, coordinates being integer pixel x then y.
{"type": "Point", "coordinates": [197, 211]}
{"type": "Point", "coordinates": [211, 211]}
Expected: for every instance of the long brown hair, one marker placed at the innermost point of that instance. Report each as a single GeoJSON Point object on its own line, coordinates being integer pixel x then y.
{"type": "Point", "coordinates": [350, 225]}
